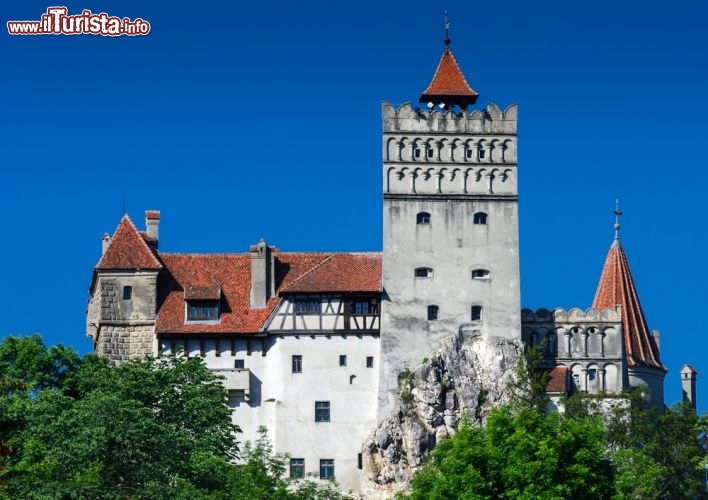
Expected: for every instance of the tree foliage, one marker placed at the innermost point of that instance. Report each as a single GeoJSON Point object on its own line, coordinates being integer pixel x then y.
{"type": "Point", "coordinates": [623, 451]}
{"type": "Point", "coordinates": [157, 428]}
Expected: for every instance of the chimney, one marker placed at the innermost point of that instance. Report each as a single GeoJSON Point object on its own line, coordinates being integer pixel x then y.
{"type": "Point", "coordinates": [688, 384]}
{"type": "Point", "coordinates": [262, 275]}
{"type": "Point", "coordinates": [105, 241]}
{"type": "Point", "coordinates": [152, 224]}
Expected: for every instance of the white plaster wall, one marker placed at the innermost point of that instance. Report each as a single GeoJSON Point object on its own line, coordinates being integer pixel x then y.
{"type": "Point", "coordinates": [284, 402]}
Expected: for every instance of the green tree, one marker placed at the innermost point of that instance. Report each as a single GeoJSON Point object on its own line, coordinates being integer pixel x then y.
{"type": "Point", "coordinates": [157, 428]}
{"type": "Point", "coordinates": [519, 454]}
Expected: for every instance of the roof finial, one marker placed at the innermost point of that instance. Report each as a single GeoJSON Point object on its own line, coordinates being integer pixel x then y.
{"type": "Point", "coordinates": [618, 213]}
{"type": "Point", "coordinates": [447, 31]}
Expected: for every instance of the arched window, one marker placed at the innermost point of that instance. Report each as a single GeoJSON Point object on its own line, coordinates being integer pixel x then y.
{"type": "Point", "coordinates": [476, 313]}
{"type": "Point", "coordinates": [423, 272]}
{"type": "Point", "coordinates": [480, 274]}
{"type": "Point", "coordinates": [422, 218]}
{"type": "Point", "coordinates": [433, 312]}
{"type": "Point", "coordinates": [480, 218]}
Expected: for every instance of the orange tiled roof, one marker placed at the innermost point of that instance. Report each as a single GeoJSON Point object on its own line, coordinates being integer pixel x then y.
{"type": "Point", "coordinates": [341, 272]}
{"type": "Point", "coordinates": [557, 379]}
{"type": "Point", "coordinates": [616, 288]}
{"type": "Point", "coordinates": [294, 272]}
{"type": "Point", "coordinates": [449, 84]}
{"type": "Point", "coordinates": [128, 250]}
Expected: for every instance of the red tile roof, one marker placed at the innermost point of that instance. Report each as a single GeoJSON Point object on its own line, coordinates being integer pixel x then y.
{"type": "Point", "coordinates": [294, 272]}
{"type": "Point", "coordinates": [616, 288]}
{"type": "Point", "coordinates": [128, 250]}
{"type": "Point", "coordinates": [341, 272]}
{"type": "Point", "coordinates": [557, 379]}
{"type": "Point", "coordinates": [449, 84]}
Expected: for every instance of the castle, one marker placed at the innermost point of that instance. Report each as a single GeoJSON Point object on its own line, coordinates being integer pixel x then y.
{"type": "Point", "coordinates": [311, 345]}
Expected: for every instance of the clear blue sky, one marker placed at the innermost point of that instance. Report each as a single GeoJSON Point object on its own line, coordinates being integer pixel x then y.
{"type": "Point", "coordinates": [248, 120]}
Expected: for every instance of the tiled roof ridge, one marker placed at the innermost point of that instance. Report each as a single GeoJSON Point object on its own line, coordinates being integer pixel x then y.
{"type": "Point", "coordinates": [312, 269]}
{"type": "Point", "coordinates": [126, 218]}
{"type": "Point", "coordinates": [616, 287]}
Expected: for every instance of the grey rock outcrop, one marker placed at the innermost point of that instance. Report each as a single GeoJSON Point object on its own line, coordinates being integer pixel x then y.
{"type": "Point", "coordinates": [463, 379]}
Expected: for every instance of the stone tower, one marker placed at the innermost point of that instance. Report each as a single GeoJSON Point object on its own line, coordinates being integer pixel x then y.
{"type": "Point", "coordinates": [451, 260]}
{"type": "Point", "coordinates": [122, 309]}
{"type": "Point", "coordinates": [688, 384]}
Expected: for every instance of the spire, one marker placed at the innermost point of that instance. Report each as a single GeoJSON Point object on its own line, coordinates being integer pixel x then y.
{"type": "Point", "coordinates": [618, 213]}
{"type": "Point", "coordinates": [449, 87]}
{"type": "Point", "coordinates": [616, 288]}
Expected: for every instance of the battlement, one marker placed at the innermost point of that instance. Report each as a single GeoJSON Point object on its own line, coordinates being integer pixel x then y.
{"type": "Point", "coordinates": [574, 315]}
{"type": "Point", "coordinates": [492, 120]}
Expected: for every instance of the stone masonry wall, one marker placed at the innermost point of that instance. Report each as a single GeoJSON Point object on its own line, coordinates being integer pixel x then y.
{"type": "Point", "coordinates": [121, 343]}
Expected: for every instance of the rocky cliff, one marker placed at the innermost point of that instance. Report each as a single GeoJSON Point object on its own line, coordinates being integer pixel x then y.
{"type": "Point", "coordinates": [464, 378]}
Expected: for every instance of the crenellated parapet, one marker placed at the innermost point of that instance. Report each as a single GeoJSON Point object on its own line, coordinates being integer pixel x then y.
{"type": "Point", "coordinates": [492, 120]}
{"type": "Point", "coordinates": [457, 153]}
{"type": "Point", "coordinates": [587, 342]}
{"type": "Point", "coordinates": [574, 315]}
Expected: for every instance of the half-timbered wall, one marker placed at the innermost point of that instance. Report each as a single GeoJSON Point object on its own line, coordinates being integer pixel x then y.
{"type": "Point", "coordinates": [326, 313]}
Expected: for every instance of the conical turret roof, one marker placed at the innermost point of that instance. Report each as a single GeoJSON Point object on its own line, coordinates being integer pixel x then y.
{"type": "Point", "coordinates": [449, 85]}
{"type": "Point", "coordinates": [616, 288]}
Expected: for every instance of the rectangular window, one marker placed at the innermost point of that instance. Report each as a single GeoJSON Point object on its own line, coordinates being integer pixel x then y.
{"type": "Point", "coordinates": [369, 361]}
{"type": "Point", "coordinates": [430, 153]}
{"type": "Point", "coordinates": [239, 364]}
{"type": "Point", "coordinates": [127, 292]}
{"type": "Point", "coordinates": [203, 310]}
{"type": "Point", "coordinates": [307, 306]}
{"type": "Point", "coordinates": [361, 306]}
{"type": "Point", "coordinates": [433, 313]}
{"type": "Point", "coordinates": [592, 374]}
{"type": "Point", "coordinates": [297, 363]}
{"type": "Point", "coordinates": [481, 154]}
{"type": "Point", "coordinates": [327, 468]}
{"type": "Point", "coordinates": [297, 468]}
{"type": "Point", "coordinates": [342, 360]}
{"type": "Point", "coordinates": [321, 411]}
{"type": "Point", "coordinates": [476, 313]}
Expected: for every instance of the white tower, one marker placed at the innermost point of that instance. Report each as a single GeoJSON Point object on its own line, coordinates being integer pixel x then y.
{"type": "Point", "coordinates": [451, 260]}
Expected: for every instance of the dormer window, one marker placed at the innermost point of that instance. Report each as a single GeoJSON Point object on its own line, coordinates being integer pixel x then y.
{"type": "Point", "coordinates": [203, 303]}
{"type": "Point", "coordinates": [203, 310]}
{"type": "Point", "coordinates": [423, 272]}
{"type": "Point", "coordinates": [422, 218]}
{"type": "Point", "coordinates": [480, 218]}
{"type": "Point", "coordinates": [480, 274]}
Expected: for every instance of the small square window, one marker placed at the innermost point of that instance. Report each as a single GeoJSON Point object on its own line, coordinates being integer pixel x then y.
{"type": "Point", "coordinates": [327, 468]}
{"type": "Point", "coordinates": [342, 360]}
{"type": "Point", "coordinates": [480, 274]}
{"type": "Point", "coordinates": [297, 363]}
{"type": "Point", "coordinates": [297, 468]}
{"type": "Point", "coordinates": [239, 364]}
{"type": "Point", "coordinates": [433, 313]}
{"type": "Point", "coordinates": [321, 411]}
{"type": "Point", "coordinates": [422, 218]}
{"type": "Point", "coordinates": [369, 361]}
{"type": "Point", "coordinates": [476, 313]}
{"type": "Point", "coordinates": [423, 272]}
{"type": "Point", "coordinates": [127, 292]}
{"type": "Point", "coordinates": [479, 218]}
